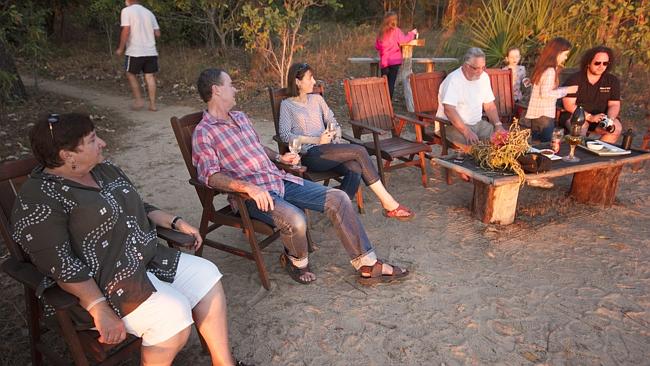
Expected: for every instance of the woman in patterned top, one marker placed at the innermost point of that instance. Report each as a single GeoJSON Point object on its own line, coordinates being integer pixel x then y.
{"type": "Point", "coordinates": [85, 227]}
{"type": "Point", "coordinates": [304, 116]}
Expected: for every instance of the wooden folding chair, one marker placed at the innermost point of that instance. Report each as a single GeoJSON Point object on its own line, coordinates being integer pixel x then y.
{"type": "Point", "coordinates": [501, 82]}
{"type": "Point", "coordinates": [70, 317]}
{"type": "Point", "coordinates": [276, 96]}
{"type": "Point", "coordinates": [212, 219]}
{"type": "Point", "coordinates": [371, 111]}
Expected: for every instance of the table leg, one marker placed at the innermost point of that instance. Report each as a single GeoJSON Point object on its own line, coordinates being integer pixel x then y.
{"type": "Point", "coordinates": [596, 186]}
{"type": "Point", "coordinates": [374, 69]}
{"type": "Point", "coordinates": [495, 205]}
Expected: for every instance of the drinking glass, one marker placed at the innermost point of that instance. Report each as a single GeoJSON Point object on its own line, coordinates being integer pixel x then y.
{"type": "Point", "coordinates": [573, 142]}
{"type": "Point", "coordinates": [331, 128]}
{"type": "Point", "coordinates": [295, 146]}
{"type": "Point", "coordinates": [556, 139]}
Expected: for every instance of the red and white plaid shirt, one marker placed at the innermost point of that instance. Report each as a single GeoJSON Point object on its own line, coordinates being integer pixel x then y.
{"type": "Point", "coordinates": [544, 96]}
{"type": "Point", "coordinates": [233, 147]}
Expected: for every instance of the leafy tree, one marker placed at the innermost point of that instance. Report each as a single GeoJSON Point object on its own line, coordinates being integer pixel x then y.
{"type": "Point", "coordinates": [222, 16]}
{"type": "Point", "coordinates": [273, 31]}
{"type": "Point", "coordinates": [106, 13]}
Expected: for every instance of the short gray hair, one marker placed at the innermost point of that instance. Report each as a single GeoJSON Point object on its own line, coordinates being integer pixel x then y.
{"type": "Point", "coordinates": [473, 52]}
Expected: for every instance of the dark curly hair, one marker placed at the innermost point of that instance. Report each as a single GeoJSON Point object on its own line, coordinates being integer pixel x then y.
{"type": "Point", "coordinates": [590, 54]}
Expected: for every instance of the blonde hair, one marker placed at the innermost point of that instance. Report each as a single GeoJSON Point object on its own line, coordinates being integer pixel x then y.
{"type": "Point", "coordinates": [389, 22]}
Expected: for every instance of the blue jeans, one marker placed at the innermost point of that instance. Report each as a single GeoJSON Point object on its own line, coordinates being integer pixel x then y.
{"type": "Point", "coordinates": [288, 216]}
{"type": "Point", "coordinates": [351, 161]}
{"type": "Point", "coordinates": [542, 128]}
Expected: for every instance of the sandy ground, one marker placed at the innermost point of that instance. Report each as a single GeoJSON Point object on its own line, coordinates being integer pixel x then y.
{"type": "Point", "coordinates": [566, 284]}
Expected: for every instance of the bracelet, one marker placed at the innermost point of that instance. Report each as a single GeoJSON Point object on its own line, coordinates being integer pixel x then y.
{"type": "Point", "coordinates": [174, 221]}
{"type": "Point", "coordinates": [95, 302]}
{"type": "Point", "coordinates": [498, 124]}
{"type": "Point", "coordinates": [277, 158]}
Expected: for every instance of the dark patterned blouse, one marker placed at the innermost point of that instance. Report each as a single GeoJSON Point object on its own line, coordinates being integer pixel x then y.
{"type": "Point", "coordinates": [72, 233]}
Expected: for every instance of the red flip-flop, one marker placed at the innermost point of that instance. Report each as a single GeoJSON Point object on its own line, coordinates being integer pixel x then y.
{"type": "Point", "coordinates": [399, 213]}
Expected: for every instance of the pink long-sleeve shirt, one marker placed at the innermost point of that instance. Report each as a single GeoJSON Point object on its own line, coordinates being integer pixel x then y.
{"type": "Point", "coordinates": [388, 47]}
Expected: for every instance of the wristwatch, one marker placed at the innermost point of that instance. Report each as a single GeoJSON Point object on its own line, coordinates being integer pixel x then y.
{"type": "Point", "coordinates": [277, 158]}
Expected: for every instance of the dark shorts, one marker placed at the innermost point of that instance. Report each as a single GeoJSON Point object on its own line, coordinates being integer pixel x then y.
{"type": "Point", "coordinates": [145, 64]}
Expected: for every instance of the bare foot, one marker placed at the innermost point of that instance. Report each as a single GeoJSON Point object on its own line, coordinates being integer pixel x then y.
{"type": "Point", "coordinates": [152, 107]}
{"type": "Point", "coordinates": [137, 105]}
{"type": "Point", "coordinates": [308, 277]}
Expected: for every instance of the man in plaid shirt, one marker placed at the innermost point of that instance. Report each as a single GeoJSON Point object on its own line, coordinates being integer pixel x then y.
{"type": "Point", "coordinates": [228, 154]}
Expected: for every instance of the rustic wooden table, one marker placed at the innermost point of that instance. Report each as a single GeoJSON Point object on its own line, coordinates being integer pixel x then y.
{"type": "Point", "coordinates": [595, 181]}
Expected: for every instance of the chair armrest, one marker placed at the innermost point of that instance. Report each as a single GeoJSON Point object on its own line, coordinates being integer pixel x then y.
{"type": "Point", "coordinates": [23, 272]}
{"type": "Point", "coordinates": [370, 128]}
{"type": "Point", "coordinates": [28, 275]}
{"type": "Point", "coordinates": [402, 117]}
{"type": "Point", "coordinates": [352, 139]}
{"type": "Point", "coordinates": [176, 237]}
{"type": "Point", "coordinates": [299, 171]}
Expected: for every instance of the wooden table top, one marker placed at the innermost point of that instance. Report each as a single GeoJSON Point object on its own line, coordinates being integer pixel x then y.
{"type": "Point", "coordinates": [588, 161]}
{"type": "Point", "coordinates": [422, 60]}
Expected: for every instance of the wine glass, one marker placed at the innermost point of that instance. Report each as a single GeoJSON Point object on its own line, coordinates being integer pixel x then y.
{"type": "Point", "coordinates": [573, 142]}
{"type": "Point", "coordinates": [331, 128]}
{"type": "Point", "coordinates": [295, 146]}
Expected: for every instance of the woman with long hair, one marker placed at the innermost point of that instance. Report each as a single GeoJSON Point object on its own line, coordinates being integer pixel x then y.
{"type": "Point", "coordinates": [387, 44]}
{"type": "Point", "coordinates": [546, 92]}
{"type": "Point", "coordinates": [304, 116]}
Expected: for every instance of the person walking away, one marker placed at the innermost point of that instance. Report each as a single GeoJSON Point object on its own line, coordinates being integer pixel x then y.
{"type": "Point", "coordinates": [139, 32]}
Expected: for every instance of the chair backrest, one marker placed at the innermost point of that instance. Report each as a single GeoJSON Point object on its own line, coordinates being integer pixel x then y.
{"type": "Point", "coordinates": [501, 82]}
{"type": "Point", "coordinates": [276, 96]}
{"type": "Point", "coordinates": [12, 176]}
{"type": "Point", "coordinates": [425, 87]}
{"type": "Point", "coordinates": [369, 102]}
{"type": "Point", "coordinates": [183, 128]}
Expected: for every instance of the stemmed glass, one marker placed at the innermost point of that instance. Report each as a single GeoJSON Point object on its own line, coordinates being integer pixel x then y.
{"type": "Point", "coordinates": [295, 146]}
{"type": "Point", "coordinates": [573, 139]}
{"type": "Point", "coordinates": [331, 128]}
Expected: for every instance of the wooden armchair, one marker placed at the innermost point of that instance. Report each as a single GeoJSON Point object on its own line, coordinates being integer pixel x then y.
{"type": "Point", "coordinates": [276, 96]}
{"type": "Point", "coordinates": [501, 82]}
{"type": "Point", "coordinates": [371, 111]}
{"type": "Point", "coordinates": [212, 218]}
{"type": "Point", "coordinates": [81, 342]}
{"type": "Point", "coordinates": [425, 87]}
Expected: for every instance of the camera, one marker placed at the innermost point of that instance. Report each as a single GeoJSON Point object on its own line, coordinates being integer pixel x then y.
{"type": "Point", "coordinates": [607, 124]}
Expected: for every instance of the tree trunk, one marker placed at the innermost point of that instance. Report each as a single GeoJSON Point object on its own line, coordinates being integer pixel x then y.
{"type": "Point", "coordinates": [7, 65]}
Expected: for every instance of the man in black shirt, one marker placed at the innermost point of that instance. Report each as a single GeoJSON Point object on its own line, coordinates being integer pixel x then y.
{"type": "Point", "coordinates": [598, 93]}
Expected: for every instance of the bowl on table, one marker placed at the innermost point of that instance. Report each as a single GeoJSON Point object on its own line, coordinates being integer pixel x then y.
{"type": "Point", "coordinates": [595, 145]}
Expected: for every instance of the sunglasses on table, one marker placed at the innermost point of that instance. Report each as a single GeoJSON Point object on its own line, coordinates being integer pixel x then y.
{"type": "Point", "coordinates": [598, 63]}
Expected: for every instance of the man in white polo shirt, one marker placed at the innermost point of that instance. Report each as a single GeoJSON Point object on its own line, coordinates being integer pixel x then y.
{"type": "Point", "coordinates": [463, 96]}
{"type": "Point", "coordinates": [139, 32]}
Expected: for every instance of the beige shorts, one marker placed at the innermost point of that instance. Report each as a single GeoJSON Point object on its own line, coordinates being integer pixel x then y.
{"type": "Point", "coordinates": [483, 129]}
{"type": "Point", "coordinates": [169, 310]}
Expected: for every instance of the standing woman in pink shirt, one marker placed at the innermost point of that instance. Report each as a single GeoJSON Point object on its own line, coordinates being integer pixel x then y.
{"type": "Point", "coordinates": [387, 44]}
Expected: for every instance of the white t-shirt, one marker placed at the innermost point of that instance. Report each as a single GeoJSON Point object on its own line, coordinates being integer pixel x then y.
{"type": "Point", "coordinates": [142, 41]}
{"type": "Point", "coordinates": [467, 96]}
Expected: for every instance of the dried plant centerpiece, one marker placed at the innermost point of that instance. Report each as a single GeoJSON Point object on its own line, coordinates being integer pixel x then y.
{"type": "Point", "coordinates": [502, 150]}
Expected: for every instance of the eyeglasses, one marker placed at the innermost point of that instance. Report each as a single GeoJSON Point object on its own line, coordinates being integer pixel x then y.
{"type": "Point", "coordinates": [598, 63]}
{"type": "Point", "coordinates": [475, 68]}
{"type": "Point", "coordinates": [52, 119]}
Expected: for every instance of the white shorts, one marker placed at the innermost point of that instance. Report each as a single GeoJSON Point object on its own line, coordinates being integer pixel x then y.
{"type": "Point", "coordinates": [169, 310]}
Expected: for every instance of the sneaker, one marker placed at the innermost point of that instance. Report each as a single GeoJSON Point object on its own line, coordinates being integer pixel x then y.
{"type": "Point", "coordinates": [540, 183]}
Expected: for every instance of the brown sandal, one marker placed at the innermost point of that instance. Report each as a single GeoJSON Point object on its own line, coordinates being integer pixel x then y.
{"type": "Point", "coordinates": [399, 212]}
{"type": "Point", "coordinates": [294, 272]}
{"type": "Point", "coordinates": [371, 275]}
